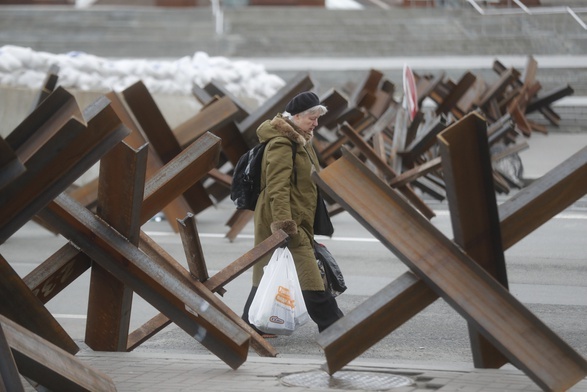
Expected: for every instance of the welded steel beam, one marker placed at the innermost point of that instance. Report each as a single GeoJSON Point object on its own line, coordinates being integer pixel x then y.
{"type": "Point", "coordinates": [299, 83]}
{"type": "Point", "coordinates": [472, 203]}
{"type": "Point", "coordinates": [192, 248]}
{"type": "Point", "coordinates": [374, 319]}
{"type": "Point", "coordinates": [161, 138]}
{"type": "Point", "coordinates": [210, 118]}
{"type": "Point", "coordinates": [57, 272]}
{"type": "Point", "coordinates": [9, 377]}
{"type": "Point", "coordinates": [55, 163]}
{"type": "Point", "coordinates": [48, 86]}
{"type": "Point", "coordinates": [452, 275]}
{"type": "Point", "coordinates": [213, 285]}
{"type": "Point", "coordinates": [537, 203]}
{"type": "Point", "coordinates": [178, 207]}
{"type": "Point", "coordinates": [10, 166]}
{"type": "Point", "coordinates": [52, 368]}
{"type": "Point", "coordinates": [191, 164]}
{"type": "Point", "coordinates": [18, 303]}
{"type": "Point", "coordinates": [449, 103]}
{"type": "Point", "coordinates": [120, 195]}
{"type": "Point", "coordinates": [170, 293]}
{"type": "Point", "coordinates": [387, 171]}
{"type": "Point", "coordinates": [519, 216]}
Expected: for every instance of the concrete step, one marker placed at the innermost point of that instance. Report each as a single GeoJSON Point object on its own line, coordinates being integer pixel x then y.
{"type": "Point", "coordinates": [297, 31]}
{"type": "Point", "coordinates": [306, 33]}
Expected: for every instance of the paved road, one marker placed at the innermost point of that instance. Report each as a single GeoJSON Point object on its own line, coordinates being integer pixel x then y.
{"type": "Point", "coordinates": [547, 272]}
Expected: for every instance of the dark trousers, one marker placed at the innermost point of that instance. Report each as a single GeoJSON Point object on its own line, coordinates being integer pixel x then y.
{"type": "Point", "coordinates": [321, 305]}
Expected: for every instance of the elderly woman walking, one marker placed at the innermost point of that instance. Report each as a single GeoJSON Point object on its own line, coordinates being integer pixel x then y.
{"type": "Point", "coordinates": [288, 201]}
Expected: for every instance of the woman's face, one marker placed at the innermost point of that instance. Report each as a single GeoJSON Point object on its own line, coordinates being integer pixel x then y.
{"type": "Point", "coordinates": [306, 122]}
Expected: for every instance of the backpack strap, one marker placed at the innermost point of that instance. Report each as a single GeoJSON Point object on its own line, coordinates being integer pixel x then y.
{"type": "Point", "coordinates": [294, 151]}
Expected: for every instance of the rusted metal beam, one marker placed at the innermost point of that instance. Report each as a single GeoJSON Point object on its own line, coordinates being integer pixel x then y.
{"type": "Point", "coordinates": [222, 179]}
{"type": "Point", "coordinates": [204, 290]}
{"type": "Point", "coordinates": [236, 268]}
{"type": "Point", "coordinates": [43, 123]}
{"type": "Point", "coordinates": [337, 104]}
{"type": "Point", "coordinates": [193, 248]}
{"type": "Point", "coordinates": [467, 102]}
{"type": "Point", "coordinates": [86, 194]}
{"type": "Point", "coordinates": [120, 195]}
{"type": "Point", "coordinates": [18, 303]}
{"type": "Point", "coordinates": [57, 272]}
{"type": "Point", "coordinates": [426, 140]}
{"type": "Point", "coordinates": [192, 164]}
{"type": "Point", "coordinates": [549, 97]}
{"type": "Point", "coordinates": [169, 292]}
{"type": "Point", "coordinates": [470, 193]}
{"type": "Point", "coordinates": [71, 151]}
{"type": "Point", "coordinates": [509, 150]}
{"type": "Point", "coordinates": [365, 87]}
{"type": "Point", "coordinates": [545, 197]}
{"type": "Point", "coordinates": [9, 377]}
{"type": "Point", "coordinates": [460, 281]}
{"type": "Point", "coordinates": [513, 211]}
{"type": "Point", "coordinates": [176, 208]}
{"type": "Point", "coordinates": [381, 123]}
{"type": "Point", "coordinates": [418, 171]}
{"type": "Point", "coordinates": [209, 119]}
{"type": "Point", "coordinates": [449, 103]}
{"type": "Point", "coordinates": [161, 137]}
{"type": "Point", "coordinates": [473, 210]}
{"type": "Point", "coordinates": [237, 222]}
{"type": "Point", "coordinates": [389, 173]}
{"type": "Point", "coordinates": [496, 89]}
{"type": "Point", "coordinates": [426, 85]}
{"type": "Point", "coordinates": [10, 166]}
{"type": "Point", "coordinates": [374, 319]}
{"type": "Point", "coordinates": [203, 96]}
{"type": "Point", "coordinates": [144, 108]}
{"type": "Point", "coordinates": [48, 86]}
{"type": "Point", "coordinates": [147, 331]}
{"type": "Point", "coordinates": [431, 185]}
{"type": "Point", "coordinates": [529, 76]}
{"type": "Point", "coordinates": [49, 366]}
{"type": "Point", "coordinates": [299, 83]}
{"type": "Point", "coordinates": [382, 99]}
{"type": "Point", "coordinates": [215, 89]}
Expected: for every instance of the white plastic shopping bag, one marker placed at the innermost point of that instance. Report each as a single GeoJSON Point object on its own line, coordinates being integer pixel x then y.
{"type": "Point", "coordinates": [278, 306]}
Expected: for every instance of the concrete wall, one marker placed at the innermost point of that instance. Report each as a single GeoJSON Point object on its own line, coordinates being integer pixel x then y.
{"type": "Point", "coordinates": [16, 104]}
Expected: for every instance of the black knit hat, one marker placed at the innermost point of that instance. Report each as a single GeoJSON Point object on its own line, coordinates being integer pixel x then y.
{"type": "Point", "coordinates": [302, 102]}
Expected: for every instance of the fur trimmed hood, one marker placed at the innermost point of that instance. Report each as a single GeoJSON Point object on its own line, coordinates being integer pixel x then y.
{"type": "Point", "coordinates": [279, 126]}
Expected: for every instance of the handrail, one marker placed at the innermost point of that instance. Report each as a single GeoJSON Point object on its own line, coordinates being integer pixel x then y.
{"type": "Point", "coordinates": [579, 20]}
{"type": "Point", "coordinates": [532, 11]}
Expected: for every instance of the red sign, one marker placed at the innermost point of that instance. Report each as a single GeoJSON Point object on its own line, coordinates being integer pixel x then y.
{"type": "Point", "coordinates": [410, 93]}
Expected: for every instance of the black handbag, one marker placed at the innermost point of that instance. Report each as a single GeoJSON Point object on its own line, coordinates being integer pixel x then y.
{"type": "Point", "coordinates": [322, 223]}
{"type": "Point", "coordinates": [331, 273]}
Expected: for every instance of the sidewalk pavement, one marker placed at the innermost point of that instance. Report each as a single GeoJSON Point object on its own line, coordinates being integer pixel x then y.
{"type": "Point", "coordinates": [168, 372]}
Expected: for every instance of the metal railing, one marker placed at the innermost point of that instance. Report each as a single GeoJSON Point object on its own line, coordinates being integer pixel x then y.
{"type": "Point", "coordinates": [521, 8]}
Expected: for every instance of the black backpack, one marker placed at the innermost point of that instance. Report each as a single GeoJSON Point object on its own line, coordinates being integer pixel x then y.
{"type": "Point", "coordinates": [246, 177]}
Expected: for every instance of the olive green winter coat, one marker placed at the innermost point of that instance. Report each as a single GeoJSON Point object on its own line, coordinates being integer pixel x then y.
{"type": "Point", "coordinates": [285, 205]}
